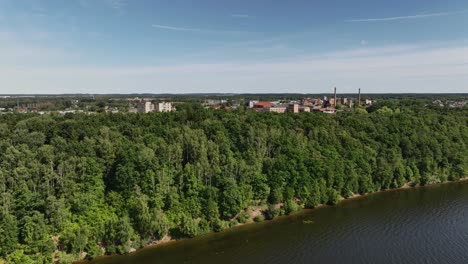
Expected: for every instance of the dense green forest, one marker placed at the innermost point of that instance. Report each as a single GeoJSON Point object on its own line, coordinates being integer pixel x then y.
{"type": "Point", "coordinates": [106, 183]}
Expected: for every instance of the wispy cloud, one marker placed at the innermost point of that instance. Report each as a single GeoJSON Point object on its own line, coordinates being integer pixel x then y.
{"type": "Point", "coordinates": [367, 52]}
{"type": "Point", "coordinates": [175, 28]}
{"type": "Point", "coordinates": [116, 4]}
{"type": "Point", "coordinates": [396, 18]}
{"type": "Point", "coordinates": [200, 30]}
{"type": "Point", "coordinates": [240, 16]}
{"type": "Point", "coordinates": [274, 48]}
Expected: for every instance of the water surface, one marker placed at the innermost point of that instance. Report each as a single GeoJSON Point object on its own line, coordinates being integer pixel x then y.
{"type": "Point", "coordinates": [422, 225]}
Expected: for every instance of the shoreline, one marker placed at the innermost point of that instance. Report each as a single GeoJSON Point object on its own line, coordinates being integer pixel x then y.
{"type": "Point", "coordinates": [404, 187]}
{"type": "Point", "coordinates": [166, 242]}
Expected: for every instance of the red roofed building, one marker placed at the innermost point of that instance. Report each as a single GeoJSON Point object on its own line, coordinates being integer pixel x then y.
{"type": "Point", "coordinates": [261, 105]}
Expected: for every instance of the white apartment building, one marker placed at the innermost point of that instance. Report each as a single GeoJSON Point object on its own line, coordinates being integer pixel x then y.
{"type": "Point", "coordinates": [276, 109]}
{"type": "Point", "coordinates": [163, 107]}
{"type": "Point", "coordinates": [145, 107]}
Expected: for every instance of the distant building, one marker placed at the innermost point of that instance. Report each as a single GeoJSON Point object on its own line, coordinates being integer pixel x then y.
{"type": "Point", "coordinates": [306, 102]}
{"type": "Point", "coordinates": [211, 102]}
{"type": "Point", "coordinates": [145, 107]}
{"type": "Point", "coordinates": [262, 105]}
{"type": "Point", "coordinates": [251, 104]}
{"type": "Point", "coordinates": [325, 110]}
{"type": "Point", "coordinates": [438, 102]}
{"type": "Point", "coordinates": [304, 109]}
{"type": "Point", "coordinates": [276, 109]}
{"type": "Point", "coordinates": [163, 107]}
{"type": "Point", "coordinates": [317, 102]}
{"type": "Point", "coordinates": [329, 111]}
{"type": "Point", "coordinates": [293, 108]}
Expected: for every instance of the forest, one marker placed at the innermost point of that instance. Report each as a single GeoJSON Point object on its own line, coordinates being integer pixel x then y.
{"type": "Point", "coordinates": [79, 186]}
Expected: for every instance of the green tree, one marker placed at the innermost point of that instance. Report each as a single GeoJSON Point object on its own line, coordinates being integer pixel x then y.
{"type": "Point", "coordinates": [8, 233]}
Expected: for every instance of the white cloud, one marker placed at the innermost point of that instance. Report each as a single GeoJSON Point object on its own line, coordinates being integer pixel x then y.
{"type": "Point", "coordinates": [375, 51]}
{"type": "Point", "coordinates": [396, 18]}
{"type": "Point", "coordinates": [401, 68]}
{"type": "Point", "coordinates": [364, 42]}
{"type": "Point", "coordinates": [16, 50]}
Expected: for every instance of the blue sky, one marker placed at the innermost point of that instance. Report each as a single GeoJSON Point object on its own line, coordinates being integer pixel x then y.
{"type": "Point", "coordinates": [256, 46]}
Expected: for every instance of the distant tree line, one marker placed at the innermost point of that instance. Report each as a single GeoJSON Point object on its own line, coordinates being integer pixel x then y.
{"type": "Point", "coordinates": [106, 183]}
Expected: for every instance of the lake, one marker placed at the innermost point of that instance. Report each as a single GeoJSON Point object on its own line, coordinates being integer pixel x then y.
{"type": "Point", "coordinates": [419, 225]}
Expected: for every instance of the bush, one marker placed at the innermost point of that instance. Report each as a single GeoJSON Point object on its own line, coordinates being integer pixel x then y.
{"type": "Point", "coordinates": [346, 192]}
{"type": "Point", "coordinates": [271, 212]}
{"type": "Point", "coordinates": [275, 196]}
{"type": "Point", "coordinates": [65, 258]}
{"type": "Point", "coordinates": [333, 197]}
{"type": "Point", "coordinates": [312, 201]}
{"type": "Point", "coordinates": [259, 218]}
{"type": "Point", "coordinates": [94, 250]}
{"type": "Point", "coordinates": [217, 225]}
{"type": "Point", "coordinates": [188, 227]}
{"type": "Point", "coordinates": [203, 227]}
{"type": "Point", "coordinates": [18, 257]}
{"type": "Point", "coordinates": [290, 206]}
{"type": "Point", "coordinates": [244, 217]}
{"type": "Point", "coordinates": [233, 223]}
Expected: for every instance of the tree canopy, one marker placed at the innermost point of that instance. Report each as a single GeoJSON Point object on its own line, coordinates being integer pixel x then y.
{"type": "Point", "coordinates": [106, 183]}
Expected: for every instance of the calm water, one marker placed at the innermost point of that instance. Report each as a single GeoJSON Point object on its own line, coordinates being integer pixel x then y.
{"type": "Point", "coordinates": [425, 225]}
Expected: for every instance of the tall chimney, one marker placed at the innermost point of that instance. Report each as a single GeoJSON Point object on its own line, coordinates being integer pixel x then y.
{"type": "Point", "coordinates": [335, 98]}
{"type": "Point", "coordinates": [359, 97]}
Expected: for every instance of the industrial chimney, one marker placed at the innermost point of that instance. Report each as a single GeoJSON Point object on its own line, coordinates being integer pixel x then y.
{"type": "Point", "coordinates": [334, 102]}
{"type": "Point", "coordinates": [359, 97]}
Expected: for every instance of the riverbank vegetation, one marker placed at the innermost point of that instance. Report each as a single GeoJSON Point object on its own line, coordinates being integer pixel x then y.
{"type": "Point", "coordinates": [80, 186]}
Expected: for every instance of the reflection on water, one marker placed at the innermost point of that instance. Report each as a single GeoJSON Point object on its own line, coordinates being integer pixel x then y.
{"type": "Point", "coordinates": [423, 225]}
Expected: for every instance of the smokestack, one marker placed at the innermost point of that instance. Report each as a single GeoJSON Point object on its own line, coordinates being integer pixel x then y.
{"type": "Point", "coordinates": [335, 98]}
{"type": "Point", "coordinates": [359, 97]}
